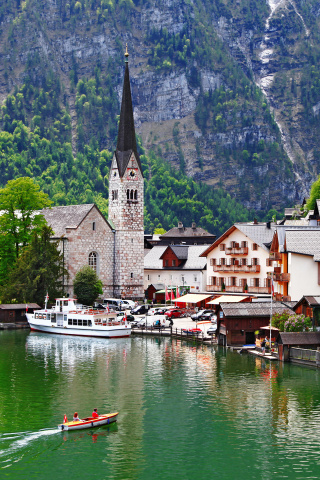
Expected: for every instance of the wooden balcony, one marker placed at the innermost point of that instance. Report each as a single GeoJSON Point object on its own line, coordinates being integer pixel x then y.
{"type": "Point", "coordinates": [236, 251]}
{"type": "Point", "coordinates": [276, 256]}
{"type": "Point", "coordinates": [287, 298]}
{"type": "Point", "coordinates": [237, 268]}
{"type": "Point", "coordinates": [281, 277]}
{"type": "Point", "coordinates": [238, 289]}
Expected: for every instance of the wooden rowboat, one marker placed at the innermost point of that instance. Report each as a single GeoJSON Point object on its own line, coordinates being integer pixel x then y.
{"type": "Point", "coordinates": [89, 422]}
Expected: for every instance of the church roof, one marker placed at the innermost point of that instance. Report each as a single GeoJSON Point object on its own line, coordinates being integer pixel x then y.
{"type": "Point", "coordinates": [70, 216]}
{"type": "Point", "coordinates": [126, 144]}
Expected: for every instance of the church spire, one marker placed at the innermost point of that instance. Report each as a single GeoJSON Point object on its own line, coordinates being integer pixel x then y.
{"type": "Point", "coordinates": [126, 144]}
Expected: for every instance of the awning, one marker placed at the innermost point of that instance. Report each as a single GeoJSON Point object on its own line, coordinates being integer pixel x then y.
{"type": "Point", "coordinates": [268, 328]}
{"type": "Point", "coordinates": [227, 298]}
{"type": "Point", "coordinates": [192, 298]}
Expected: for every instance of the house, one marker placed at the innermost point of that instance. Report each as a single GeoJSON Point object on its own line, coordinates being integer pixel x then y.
{"type": "Point", "coordinates": [176, 265]}
{"type": "Point", "coordinates": [237, 322]}
{"type": "Point", "coordinates": [295, 258]}
{"type": "Point", "coordinates": [186, 235]}
{"type": "Point", "coordinates": [309, 306]}
{"type": "Point", "coordinates": [16, 312]}
{"type": "Point", "coordinates": [152, 289]}
{"type": "Point", "coordinates": [238, 261]}
{"type": "Point", "coordinates": [113, 247]}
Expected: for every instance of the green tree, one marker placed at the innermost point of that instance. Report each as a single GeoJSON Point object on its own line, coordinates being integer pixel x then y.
{"type": "Point", "coordinates": [38, 270]}
{"type": "Point", "coordinates": [87, 285]}
{"type": "Point", "coordinates": [279, 319]}
{"type": "Point", "coordinates": [19, 201]}
{"type": "Point", "coordinates": [314, 194]}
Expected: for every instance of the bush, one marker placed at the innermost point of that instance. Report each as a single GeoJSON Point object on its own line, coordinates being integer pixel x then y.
{"type": "Point", "coordinates": [297, 323]}
{"type": "Point", "coordinates": [279, 319]}
{"type": "Point", "coordinates": [87, 285]}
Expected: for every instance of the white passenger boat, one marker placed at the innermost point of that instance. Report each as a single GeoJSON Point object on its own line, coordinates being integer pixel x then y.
{"type": "Point", "coordinates": [69, 318]}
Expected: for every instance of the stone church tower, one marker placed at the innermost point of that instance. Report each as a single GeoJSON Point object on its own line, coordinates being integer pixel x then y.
{"type": "Point", "coordinates": [126, 204]}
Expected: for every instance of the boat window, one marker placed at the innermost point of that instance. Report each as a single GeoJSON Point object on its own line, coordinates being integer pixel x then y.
{"type": "Point", "coordinates": [70, 321]}
{"type": "Point", "coordinates": [65, 303]}
{"type": "Point", "coordinates": [85, 323]}
{"type": "Point", "coordinates": [65, 317]}
{"type": "Point", "coordinates": [53, 317]}
{"type": "Point", "coordinates": [74, 321]}
{"type": "Point", "coordinates": [89, 323]}
{"type": "Point", "coordinates": [48, 316]}
{"type": "Point", "coordinates": [35, 315]}
{"type": "Point", "coordinates": [80, 322]}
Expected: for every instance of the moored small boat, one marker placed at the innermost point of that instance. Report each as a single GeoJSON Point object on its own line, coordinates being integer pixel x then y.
{"type": "Point", "coordinates": [192, 331]}
{"type": "Point", "coordinates": [89, 422]}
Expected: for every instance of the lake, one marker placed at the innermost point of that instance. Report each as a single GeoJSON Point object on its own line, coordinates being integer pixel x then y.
{"type": "Point", "coordinates": [186, 411]}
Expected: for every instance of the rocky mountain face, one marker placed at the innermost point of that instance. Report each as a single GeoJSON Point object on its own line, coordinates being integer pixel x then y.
{"type": "Point", "coordinates": [227, 91]}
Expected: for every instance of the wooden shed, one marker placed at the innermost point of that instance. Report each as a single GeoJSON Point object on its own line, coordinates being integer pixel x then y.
{"type": "Point", "coordinates": [237, 322]}
{"type": "Point", "coordinates": [16, 312]}
{"type": "Point", "coordinates": [305, 340]}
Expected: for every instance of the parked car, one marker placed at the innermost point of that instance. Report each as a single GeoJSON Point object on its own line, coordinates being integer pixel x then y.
{"type": "Point", "coordinates": [173, 313]}
{"type": "Point", "coordinates": [140, 310]}
{"type": "Point", "coordinates": [130, 318]}
{"type": "Point", "coordinates": [139, 322]}
{"type": "Point", "coordinates": [212, 330]}
{"type": "Point", "coordinates": [196, 316]}
{"type": "Point", "coordinates": [127, 304]}
{"type": "Point", "coordinates": [207, 316]}
{"type": "Point", "coordinates": [112, 303]}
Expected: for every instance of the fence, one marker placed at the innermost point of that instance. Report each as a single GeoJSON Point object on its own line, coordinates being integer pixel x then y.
{"type": "Point", "coordinates": [302, 355]}
{"type": "Point", "coordinates": [186, 334]}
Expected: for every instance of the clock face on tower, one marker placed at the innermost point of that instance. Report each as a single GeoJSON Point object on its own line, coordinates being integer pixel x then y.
{"type": "Point", "coordinates": [132, 173]}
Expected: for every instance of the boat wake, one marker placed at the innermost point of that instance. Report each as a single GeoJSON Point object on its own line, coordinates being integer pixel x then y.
{"type": "Point", "coordinates": [13, 442]}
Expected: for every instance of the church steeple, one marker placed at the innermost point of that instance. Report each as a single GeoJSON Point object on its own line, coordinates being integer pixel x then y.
{"type": "Point", "coordinates": [126, 144]}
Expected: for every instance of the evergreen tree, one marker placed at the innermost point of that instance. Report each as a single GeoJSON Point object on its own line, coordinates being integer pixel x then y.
{"type": "Point", "coordinates": [87, 285]}
{"type": "Point", "coordinates": [38, 270]}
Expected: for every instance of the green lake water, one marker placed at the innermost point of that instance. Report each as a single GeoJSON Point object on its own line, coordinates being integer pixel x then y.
{"type": "Point", "coordinates": [185, 411]}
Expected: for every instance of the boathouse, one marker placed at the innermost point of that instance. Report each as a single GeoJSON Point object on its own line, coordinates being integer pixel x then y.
{"type": "Point", "coordinates": [238, 322]}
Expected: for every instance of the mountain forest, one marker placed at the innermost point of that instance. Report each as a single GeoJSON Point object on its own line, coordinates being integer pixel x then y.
{"type": "Point", "coordinates": [226, 100]}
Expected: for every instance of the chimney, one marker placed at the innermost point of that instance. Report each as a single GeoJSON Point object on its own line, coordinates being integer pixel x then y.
{"type": "Point", "coordinates": [269, 225]}
{"type": "Point", "coordinates": [255, 221]}
{"type": "Point", "coordinates": [194, 225]}
{"type": "Point", "coordinates": [180, 225]}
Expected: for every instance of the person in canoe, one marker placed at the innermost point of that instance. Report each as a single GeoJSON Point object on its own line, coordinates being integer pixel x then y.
{"type": "Point", "coordinates": [76, 417]}
{"type": "Point", "coordinates": [95, 413]}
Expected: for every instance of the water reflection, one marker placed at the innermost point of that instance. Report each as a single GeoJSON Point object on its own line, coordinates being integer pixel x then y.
{"type": "Point", "coordinates": [186, 410]}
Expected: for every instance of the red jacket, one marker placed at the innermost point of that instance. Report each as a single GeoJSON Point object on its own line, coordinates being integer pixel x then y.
{"type": "Point", "coordinates": [95, 415]}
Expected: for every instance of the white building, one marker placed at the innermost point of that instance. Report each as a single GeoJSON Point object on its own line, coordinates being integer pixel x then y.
{"type": "Point", "coordinates": [239, 260]}
{"type": "Point", "coordinates": [176, 265]}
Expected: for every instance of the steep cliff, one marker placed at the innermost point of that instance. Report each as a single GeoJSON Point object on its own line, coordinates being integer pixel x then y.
{"type": "Point", "coordinates": [228, 92]}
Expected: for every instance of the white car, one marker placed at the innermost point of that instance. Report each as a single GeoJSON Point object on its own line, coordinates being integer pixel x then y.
{"type": "Point", "coordinates": [212, 329]}
{"type": "Point", "coordinates": [128, 304]}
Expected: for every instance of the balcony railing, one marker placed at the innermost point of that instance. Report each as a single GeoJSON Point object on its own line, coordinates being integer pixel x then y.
{"type": "Point", "coordinates": [281, 277]}
{"type": "Point", "coordinates": [238, 289]}
{"type": "Point", "coordinates": [236, 251]}
{"type": "Point", "coordinates": [237, 268]}
{"type": "Point", "coordinates": [276, 256]}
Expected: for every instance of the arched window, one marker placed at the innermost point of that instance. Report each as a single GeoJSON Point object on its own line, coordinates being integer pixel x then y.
{"type": "Point", "coordinates": [128, 194]}
{"type": "Point", "coordinates": [131, 195]}
{"type": "Point", "coordinates": [93, 261]}
{"type": "Point", "coordinates": [136, 194]}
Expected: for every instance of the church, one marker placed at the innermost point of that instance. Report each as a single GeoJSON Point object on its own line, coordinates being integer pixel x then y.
{"type": "Point", "coordinates": [113, 247]}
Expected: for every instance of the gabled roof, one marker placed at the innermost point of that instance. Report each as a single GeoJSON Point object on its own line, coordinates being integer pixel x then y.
{"type": "Point", "coordinates": [126, 144]}
{"type": "Point", "coordinates": [305, 242]}
{"type": "Point", "coordinates": [180, 251]}
{"type": "Point", "coordinates": [259, 233]}
{"type": "Point", "coordinates": [312, 301]}
{"type": "Point", "coordinates": [282, 232]}
{"type": "Point", "coordinates": [69, 216]}
{"type": "Point", "coordinates": [19, 306]}
{"type": "Point", "coordinates": [254, 309]}
{"type": "Point", "coordinates": [152, 261]}
{"type": "Point", "coordinates": [299, 338]}
{"type": "Point", "coordinates": [187, 232]}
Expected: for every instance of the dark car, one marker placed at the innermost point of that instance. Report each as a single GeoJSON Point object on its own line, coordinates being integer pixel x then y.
{"type": "Point", "coordinates": [207, 316]}
{"type": "Point", "coordinates": [139, 310]}
{"type": "Point", "coordinates": [173, 313]}
{"type": "Point", "coordinates": [196, 316]}
{"type": "Point", "coordinates": [130, 318]}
